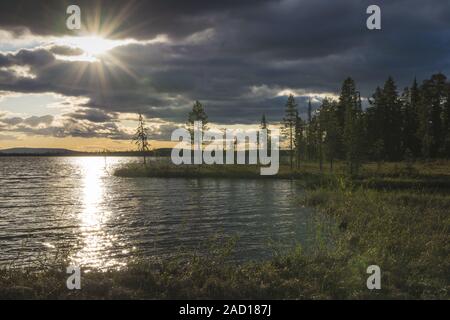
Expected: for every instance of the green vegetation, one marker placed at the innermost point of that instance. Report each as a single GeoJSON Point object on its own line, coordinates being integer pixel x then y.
{"type": "Point", "coordinates": [405, 231]}
{"type": "Point", "coordinates": [394, 215]}
{"type": "Point", "coordinates": [168, 170]}
{"type": "Point", "coordinates": [393, 127]}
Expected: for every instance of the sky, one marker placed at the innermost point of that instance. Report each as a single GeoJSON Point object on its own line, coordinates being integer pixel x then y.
{"type": "Point", "coordinates": [82, 89]}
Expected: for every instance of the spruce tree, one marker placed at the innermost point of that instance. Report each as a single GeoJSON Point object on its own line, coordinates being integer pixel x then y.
{"type": "Point", "coordinates": [446, 126]}
{"type": "Point", "coordinates": [349, 101]}
{"type": "Point", "coordinates": [375, 115]}
{"type": "Point", "coordinates": [310, 139]}
{"type": "Point", "coordinates": [197, 114]}
{"type": "Point", "coordinates": [392, 124]}
{"type": "Point", "coordinates": [410, 114]}
{"type": "Point", "coordinates": [298, 139]}
{"type": "Point", "coordinates": [433, 100]}
{"type": "Point", "coordinates": [140, 138]}
{"type": "Point", "coordinates": [264, 126]}
{"type": "Point", "coordinates": [289, 121]}
{"type": "Point", "coordinates": [329, 123]}
{"type": "Point", "coordinates": [263, 122]}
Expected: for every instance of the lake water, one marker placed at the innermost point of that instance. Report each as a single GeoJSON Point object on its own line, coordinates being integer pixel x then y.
{"type": "Point", "coordinates": [75, 204]}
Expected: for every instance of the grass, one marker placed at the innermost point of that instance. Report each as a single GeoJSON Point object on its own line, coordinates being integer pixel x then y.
{"type": "Point", "coordinates": [395, 216]}
{"type": "Point", "coordinates": [434, 174]}
{"type": "Point", "coordinates": [308, 174]}
{"type": "Point", "coordinates": [162, 169]}
{"type": "Point", "coordinates": [406, 233]}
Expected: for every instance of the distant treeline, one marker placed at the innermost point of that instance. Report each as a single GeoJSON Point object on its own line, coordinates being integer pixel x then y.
{"type": "Point", "coordinates": [158, 152]}
{"type": "Point", "coordinates": [411, 125]}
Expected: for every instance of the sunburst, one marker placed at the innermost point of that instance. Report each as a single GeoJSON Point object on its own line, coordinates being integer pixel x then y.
{"type": "Point", "coordinates": [93, 46]}
{"type": "Point", "coordinates": [97, 38]}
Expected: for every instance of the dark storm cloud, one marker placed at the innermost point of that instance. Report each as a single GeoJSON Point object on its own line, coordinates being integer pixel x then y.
{"type": "Point", "coordinates": [93, 115]}
{"type": "Point", "coordinates": [224, 52]}
{"type": "Point", "coordinates": [140, 19]}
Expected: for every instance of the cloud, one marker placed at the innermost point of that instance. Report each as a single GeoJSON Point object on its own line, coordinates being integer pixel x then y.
{"type": "Point", "coordinates": [66, 50]}
{"type": "Point", "coordinates": [93, 115]}
{"type": "Point", "coordinates": [70, 125]}
{"type": "Point", "coordinates": [36, 121]}
{"type": "Point", "coordinates": [139, 19]}
{"type": "Point", "coordinates": [239, 58]}
{"type": "Point", "coordinates": [11, 121]}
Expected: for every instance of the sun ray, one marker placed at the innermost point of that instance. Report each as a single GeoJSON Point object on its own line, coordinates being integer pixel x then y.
{"type": "Point", "coordinates": [104, 30]}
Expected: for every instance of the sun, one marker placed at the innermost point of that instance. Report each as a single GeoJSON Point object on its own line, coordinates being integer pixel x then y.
{"type": "Point", "coordinates": [93, 46]}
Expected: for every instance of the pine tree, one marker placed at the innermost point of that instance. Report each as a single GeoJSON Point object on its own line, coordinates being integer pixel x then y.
{"type": "Point", "coordinates": [310, 139]}
{"type": "Point", "coordinates": [392, 127]}
{"type": "Point", "coordinates": [197, 114]}
{"type": "Point", "coordinates": [263, 122]}
{"type": "Point", "coordinates": [141, 137]}
{"type": "Point", "coordinates": [309, 111]}
{"type": "Point", "coordinates": [298, 139]}
{"type": "Point", "coordinates": [289, 121]}
{"type": "Point", "coordinates": [375, 115]}
{"type": "Point", "coordinates": [384, 123]}
{"type": "Point", "coordinates": [433, 100]}
{"type": "Point", "coordinates": [446, 125]}
{"type": "Point", "coordinates": [410, 114]}
{"type": "Point", "coordinates": [329, 123]}
{"type": "Point", "coordinates": [265, 126]}
{"type": "Point", "coordinates": [318, 136]}
{"type": "Point", "coordinates": [353, 132]}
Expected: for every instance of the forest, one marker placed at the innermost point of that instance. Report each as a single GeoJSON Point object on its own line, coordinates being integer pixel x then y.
{"type": "Point", "coordinates": [413, 124]}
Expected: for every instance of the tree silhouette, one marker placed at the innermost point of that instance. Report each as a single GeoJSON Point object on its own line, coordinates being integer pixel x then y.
{"type": "Point", "coordinates": [310, 134]}
{"type": "Point", "coordinates": [434, 96]}
{"type": "Point", "coordinates": [329, 123]}
{"type": "Point", "coordinates": [350, 102]}
{"type": "Point", "coordinates": [197, 114]}
{"type": "Point", "coordinates": [392, 124]}
{"type": "Point", "coordinates": [264, 126]}
{"type": "Point", "coordinates": [141, 137]}
{"type": "Point", "coordinates": [289, 121]}
{"type": "Point", "coordinates": [298, 139]}
{"type": "Point", "coordinates": [410, 114]}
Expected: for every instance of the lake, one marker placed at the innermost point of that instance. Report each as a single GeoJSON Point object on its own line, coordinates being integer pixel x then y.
{"type": "Point", "coordinates": [51, 205]}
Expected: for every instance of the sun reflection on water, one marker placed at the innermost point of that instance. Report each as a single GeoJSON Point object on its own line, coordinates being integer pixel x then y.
{"type": "Point", "coordinates": [93, 217]}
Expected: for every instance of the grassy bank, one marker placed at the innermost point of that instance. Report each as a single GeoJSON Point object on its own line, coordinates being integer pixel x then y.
{"type": "Point", "coordinates": [168, 170]}
{"type": "Point", "coordinates": [432, 176]}
{"type": "Point", "coordinates": [405, 232]}
{"type": "Point", "coordinates": [395, 217]}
